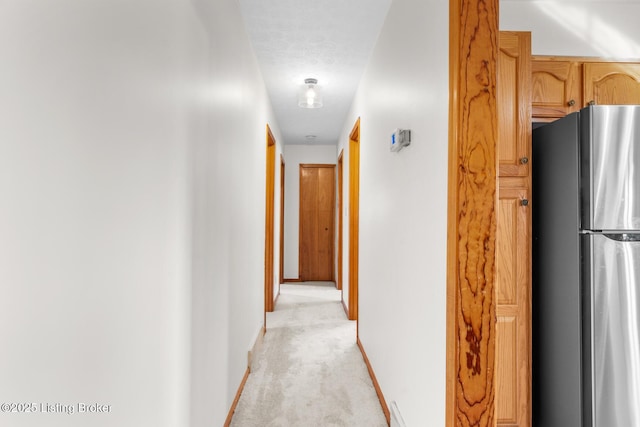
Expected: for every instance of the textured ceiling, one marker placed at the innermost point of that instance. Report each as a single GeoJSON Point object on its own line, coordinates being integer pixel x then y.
{"type": "Point", "coordinates": [330, 40]}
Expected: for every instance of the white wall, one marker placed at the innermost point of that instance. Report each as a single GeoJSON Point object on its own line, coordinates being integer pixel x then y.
{"type": "Point", "coordinates": [132, 139]}
{"type": "Point", "coordinates": [294, 155]}
{"type": "Point", "coordinates": [607, 29]}
{"type": "Point", "coordinates": [229, 213]}
{"type": "Point", "coordinates": [403, 208]}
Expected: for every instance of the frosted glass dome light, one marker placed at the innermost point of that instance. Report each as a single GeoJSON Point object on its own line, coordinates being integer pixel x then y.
{"type": "Point", "coordinates": [310, 95]}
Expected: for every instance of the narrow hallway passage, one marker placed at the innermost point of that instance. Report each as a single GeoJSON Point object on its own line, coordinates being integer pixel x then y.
{"type": "Point", "coordinates": [309, 371]}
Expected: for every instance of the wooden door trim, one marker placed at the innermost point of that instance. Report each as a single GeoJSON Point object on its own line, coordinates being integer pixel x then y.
{"type": "Point", "coordinates": [269, 222]}
{"type": "Point", "coordinates": [333, 208]}
{"type": "Point", "coordinates": [471, 311]}
{"type": "Point", "coordinates": [317, 165]}
{"type": "Point", "coordinates": [340, 220]}
{"type": "Point", "coordinates": [354, 216]}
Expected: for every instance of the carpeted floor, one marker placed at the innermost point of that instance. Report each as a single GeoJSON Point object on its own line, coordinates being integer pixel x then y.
{"type": "Point", "coordinates": [309, 371]}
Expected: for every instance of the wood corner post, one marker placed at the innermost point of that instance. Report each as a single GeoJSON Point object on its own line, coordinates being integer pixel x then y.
{"type": "Point", "coordinates": [471, 308]}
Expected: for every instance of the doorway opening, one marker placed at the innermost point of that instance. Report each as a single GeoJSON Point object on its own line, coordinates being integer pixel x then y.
{"type": "Point", "coordinates": [281, 263]}
{"type": "Point", "coordinates": [340, 221]}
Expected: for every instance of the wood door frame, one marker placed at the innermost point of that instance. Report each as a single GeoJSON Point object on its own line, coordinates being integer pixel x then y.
{"type": "Point", "coordinates": [354, 217]}
{"type": "Point", "coordinates": [333, 207]}
{"type": "Point", "coordinates": [281, 266]}
{"type": "Point", "coordinates": [471, 304]}
{"type": "Point", "coordinates": [269, 223]}
{"type": "Point", "coordinates": [340, 220]}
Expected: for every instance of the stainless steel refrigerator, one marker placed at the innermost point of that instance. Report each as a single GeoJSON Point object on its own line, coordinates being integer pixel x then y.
{"type": "Point", "coordinates": [586, 269]}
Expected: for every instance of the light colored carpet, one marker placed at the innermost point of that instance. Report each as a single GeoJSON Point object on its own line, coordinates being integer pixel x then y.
{"type": "Point", "coordinates": [309, 371]}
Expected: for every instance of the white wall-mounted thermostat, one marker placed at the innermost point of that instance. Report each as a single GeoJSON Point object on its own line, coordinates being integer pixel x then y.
{"type": "Point", "coordinates": [400, 138]}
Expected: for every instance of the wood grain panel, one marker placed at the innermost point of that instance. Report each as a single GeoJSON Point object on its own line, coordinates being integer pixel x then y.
{"type": "Point", "coordinates": [513, 239]}
{"type": "Point", "coordinates": [472, 202]}
{"type": "Point", "coordinates": [513, 97]}
{"type": "Point", "coordinates": [507, 260]}
{"type": "Point", "coordinates": [513, 350]}
{"type": "Point", "coordinates": [508, 101]}
{"type": "Point", "coordinates": [308, 222]}
{"type": "Point", "coordinates": [612, 83]}
{"type": "Point", "coordinates": [317, 217]}
{"type": "Point", "coordinates": [506, 372]}
{"type": "Point", "coordinates": [326, 220]}
{"type": "Point", "coordinates": [555, 87]}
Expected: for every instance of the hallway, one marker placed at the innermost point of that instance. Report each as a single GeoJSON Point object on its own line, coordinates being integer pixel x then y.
{"type": "Point", "coordinates": [309, 371]}
{"type": "Point", "coordinates": [133, 150]}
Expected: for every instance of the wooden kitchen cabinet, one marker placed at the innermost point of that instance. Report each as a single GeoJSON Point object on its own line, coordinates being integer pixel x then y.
{"type": "Point", "coordinates": [513, 296]}
{"type": "Point", "coordinates": [513, 102]}
{"type": "Point", "coordinates": [611, 83]}
{"type": "Point", "coordinates": [556, 87]}
{"type": "Point", "coordinates": [562, 85]}
{"type": "Point", "coordinates": [513, 234]}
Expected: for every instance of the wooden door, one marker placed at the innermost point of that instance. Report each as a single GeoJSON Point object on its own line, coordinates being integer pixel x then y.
{"type": "Point", "coordinates": [611, 83]}
{"type": "Point", "coordinates": [317, 217]}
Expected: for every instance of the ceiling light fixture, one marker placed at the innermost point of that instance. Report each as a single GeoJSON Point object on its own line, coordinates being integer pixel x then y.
{"type": "Point", "coordinates": [310, 95]}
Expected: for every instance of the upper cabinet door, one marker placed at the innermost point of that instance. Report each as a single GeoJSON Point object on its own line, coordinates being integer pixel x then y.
{"type": "Point", "coordinates": [556, 88]}
{"type": "Point", "coordinates": [611, 83]}
{"type": "Point", "coordinates": [514, 103]}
